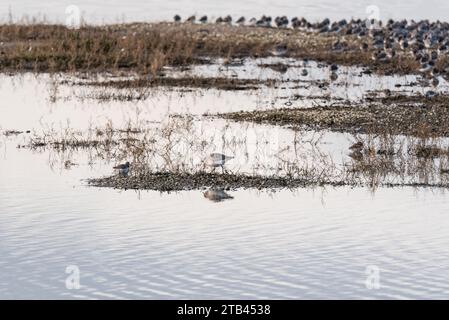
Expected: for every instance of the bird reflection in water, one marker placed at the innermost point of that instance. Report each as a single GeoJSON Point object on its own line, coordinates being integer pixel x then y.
{"type": "Point", "coordinates": [217, 195]}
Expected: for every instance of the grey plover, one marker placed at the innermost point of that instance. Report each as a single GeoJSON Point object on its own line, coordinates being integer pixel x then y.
{"type": "Point", "coordinates": [427, 66]}
{"type": "Point", "coordinates": [122, 169]}
{"type": "Point", "coordinates": [227, 19]}
{"type": "Point", "coordinates": [264, 22]}
{"type": "Point", "coordinates": [252, 22]}
{"type": "Point", "coordinates": [215, 160]}
{"type": "Point", "coordinates": [281, 22]}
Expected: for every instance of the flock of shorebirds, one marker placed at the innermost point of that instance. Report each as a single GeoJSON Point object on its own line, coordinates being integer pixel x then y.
{"type": "Point", "coordinates": [426, 41]}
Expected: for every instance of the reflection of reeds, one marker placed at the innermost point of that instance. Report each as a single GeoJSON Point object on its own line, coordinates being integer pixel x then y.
{"type": "Point", "coordinates": [388, 159]}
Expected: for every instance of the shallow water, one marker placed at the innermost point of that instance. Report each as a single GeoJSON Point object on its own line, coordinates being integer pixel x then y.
{"type": "Point", "coordinates": [48, 101]}
{"type": "Point", "coordinates": [303, 244]}
{"type": "Point", "coordinates": [306, 243]}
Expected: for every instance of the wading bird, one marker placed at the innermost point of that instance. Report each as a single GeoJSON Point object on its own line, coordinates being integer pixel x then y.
{"type": "Point", "coordinates": [215, 160]}
{"type": "Point", "coordinates": [123, 169]}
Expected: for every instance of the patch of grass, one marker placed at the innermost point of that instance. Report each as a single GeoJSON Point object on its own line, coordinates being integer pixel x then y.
{"type": "Point", "coordinates": [146, 48]}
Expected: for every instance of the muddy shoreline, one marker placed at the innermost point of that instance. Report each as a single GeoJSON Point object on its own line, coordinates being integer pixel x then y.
{"type": "Point", "coordinates": [171, 181]}
{"type": "Point", "coordinates": [429, 119]}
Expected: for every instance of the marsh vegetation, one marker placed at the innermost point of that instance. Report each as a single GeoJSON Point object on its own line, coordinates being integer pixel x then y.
{"type": "Point", "coordinates": [401, 136]}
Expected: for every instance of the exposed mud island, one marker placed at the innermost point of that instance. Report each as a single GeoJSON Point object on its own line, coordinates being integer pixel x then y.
{"type": "Point", "coordinates": [322, 73]}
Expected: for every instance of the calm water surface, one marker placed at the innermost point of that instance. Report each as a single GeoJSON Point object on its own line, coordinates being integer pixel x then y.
{"type": "Point", "coordinates": [288, 244]}
{"type": "Point", "coordinates": [303, 244]}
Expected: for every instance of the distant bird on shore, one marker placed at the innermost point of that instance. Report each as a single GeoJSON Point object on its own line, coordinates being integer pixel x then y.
{"type": "Point", "coordinates": [338, 46]}
{"type": "Point", "coordinates": [296, 23]}
{"type": "Point", "coordinates": [227, 19]}
{"type": "Point", "coordinates": [281, 22]}
{"type": "Point", "coordinates": [404, 44]}
{"type": "Point", "coordinates": [435, 81]}
{"type": "Point", "coordinates": [177, 18]}
{"type": "Point", "coordinates": [381, 56]}
{"type": "Point", "coordinates": [264, 22]}
{"type": "Point", "coordinates": [427, 66]}
{"type": "Point", "coordinates": [215, 160]}
{"type": "Point", "coordinates": [431, 94]}
{"type": "Point", "coordinates": [252, 22]}
{"type": "Point", "coordinates": [334, 67]}
{"type": "Point", "coordinates": [333, 76]}
{"type": "Point", "coordinates": [191, 19]}
{"type": "Point", "coordinates": [364, 46]}
{"type": "Point", "coordinates": [241, 21]}
{"type": "Point", "coordinates": [123, 169]}
{"type": "Point", "coordinates": [203, 19]}
{"type": "Point", "coordinates": [279, 50]}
